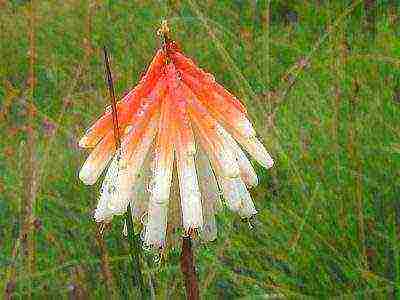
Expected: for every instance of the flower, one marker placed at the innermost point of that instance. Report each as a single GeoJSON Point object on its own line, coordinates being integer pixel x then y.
{"type": "Point", "coordinates": [182, 135]}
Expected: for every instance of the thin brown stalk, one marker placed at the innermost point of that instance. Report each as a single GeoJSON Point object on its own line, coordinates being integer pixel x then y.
{"type": "Point", "coordinates": [189, 270]}
{"type": "Point", "coordinates": [31, 184]}
{"type": "Point", "coordinates": [12, 274]}
{"type": "Point", "coordinates": [10, 94]}
{"type": "Point", "coordinates": [360, 212]}
{"type": "Point", "coordinates": [336, 69]}
{"type": "Point", "coordinates": [133, 239]}
{"type": "Point", "coordinates": [105, 261]}
{"type": "Point", "coordinates": [370, 9]}
{"type": "Point", "coordinates": [88, 29]}
{"type": "Point", "coordinates": [78, 274]}
{"type": "Point", "coordinates": [357, 167]}
{"type": "Point", "coordinates": [267, 42]}
{"type": "Point", "coordinates": [117, 137]}
{"type": "Point", "coordinates": [79, 291]}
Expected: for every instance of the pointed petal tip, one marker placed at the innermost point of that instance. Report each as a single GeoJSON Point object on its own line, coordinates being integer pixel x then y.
{"type": "Point", "coordinates": [249, 214]}
{"type": "Point", "coordinates": [117, 206]}
{"type": "Point", "coordinates": [261, 154]}
{"type": "Point", "coordinates": [85, 175]}
{"type": "Point", "coordinates": [101, 216]}
{"type": "Point", "coordinates": [269, 162]}
{"type": "Point", "coordinates": [266, 161]}
{"type": "Point", "coordinates": [247, 210]}
{"type": "Point", "coordinates": [247, 128]}
{"type": "Point", "coordinates": [83, 142]}
{"type": "Point", "coordinates": [97, 216]}
{"type": "Point", "coordinates": [251, 181]}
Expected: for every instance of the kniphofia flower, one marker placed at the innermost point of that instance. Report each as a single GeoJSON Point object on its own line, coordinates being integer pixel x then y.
{"type": "Point", "coordinates": [183, 137]}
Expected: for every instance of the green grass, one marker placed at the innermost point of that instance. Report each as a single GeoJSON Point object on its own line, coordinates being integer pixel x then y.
{"type": "Point", "coordinates": [329, 211]}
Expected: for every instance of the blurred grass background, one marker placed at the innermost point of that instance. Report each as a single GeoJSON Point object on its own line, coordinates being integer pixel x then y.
{"type": "Point", "coordinates": [321, 80]}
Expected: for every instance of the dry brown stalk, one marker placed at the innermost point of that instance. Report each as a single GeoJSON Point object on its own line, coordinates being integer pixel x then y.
{"type": "Point", "coordinates": [30, 182]}
{"type": "Point", "coordinates": [189, 269]}
{"type": "Point", "coordinates": [105, 261]}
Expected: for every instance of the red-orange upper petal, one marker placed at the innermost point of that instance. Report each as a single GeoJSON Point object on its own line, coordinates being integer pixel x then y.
{"type": "Point", "coordinates": [186, 65]}
{"type": "Point", "coordinates": [128, 105]}
{"type": "Point", "coordinates": [179, 110]}
{"type": "Point", "coordinates": [149, 105]}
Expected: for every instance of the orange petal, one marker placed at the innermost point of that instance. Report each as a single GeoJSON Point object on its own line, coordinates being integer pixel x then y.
{"type": "Point", "coordinates": [118, 186]}
{"type": "Point", "coordinates": [187, 66]}
{"type": "Point", "coordinates": [247, 172]}
{"type": "Point", "coordinates": [218, 100]}
{"type": "Point", "coordinates": [162, 177]}
{"type": "Point", "coordinates": [179, 111]}
{"type": "Point", "coordinates": [215, 144]}
{"type": "Point", "coordinates": [226, 114]}
{"type": "Point", "coordinates": [149, 106]}
{"type": "Point", "coordinates": [103, 125]}
{"type": "Point", "coordinates": [185, 149]}
{"type": "Point", "coordinates": [98, 159]}
{"type": "Point", "coordinates": [188, 187]}
{"type": "Point", "coordinates": [233, 188]}
{"type": "Point", "coordinates": [128, 105]}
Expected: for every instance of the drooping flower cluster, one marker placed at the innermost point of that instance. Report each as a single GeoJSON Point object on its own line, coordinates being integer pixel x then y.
{"type": "Point", "coordinates": [182, 137]}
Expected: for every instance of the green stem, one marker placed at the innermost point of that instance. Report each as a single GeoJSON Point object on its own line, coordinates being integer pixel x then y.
{"type": "Point", "coordinates": [134, 253]}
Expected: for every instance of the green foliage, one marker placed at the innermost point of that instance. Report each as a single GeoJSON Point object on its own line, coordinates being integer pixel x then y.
{"type": "Point", "coordinates": [322, 85]}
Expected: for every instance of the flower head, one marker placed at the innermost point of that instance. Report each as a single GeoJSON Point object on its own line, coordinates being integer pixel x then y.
{"type": "Point", "coordinates": [182, 142]}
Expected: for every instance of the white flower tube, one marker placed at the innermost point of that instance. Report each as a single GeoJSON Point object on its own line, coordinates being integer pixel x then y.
{"type": "Point", "coordinates": [116, 190]}
{"type": "Point", "coordinates": [156, 225]}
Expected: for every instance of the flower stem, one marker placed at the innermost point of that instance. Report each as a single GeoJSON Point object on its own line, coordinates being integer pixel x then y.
{"type": "Point", "coordinates": [133, 239]}
{"type": "Point", "coordinates": [134, 253]}
{"type": "Point", "coordinates": [188, 269]}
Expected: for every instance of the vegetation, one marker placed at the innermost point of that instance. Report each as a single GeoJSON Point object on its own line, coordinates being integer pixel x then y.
{"type": "Point", "coordinates": [321, 80]}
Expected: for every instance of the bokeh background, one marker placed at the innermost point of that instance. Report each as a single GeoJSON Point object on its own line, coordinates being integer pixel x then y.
{"type": "Point", "coordinates": [321, 80]}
